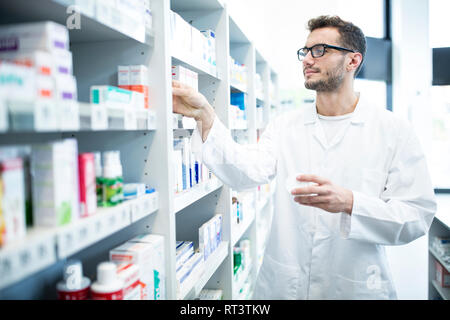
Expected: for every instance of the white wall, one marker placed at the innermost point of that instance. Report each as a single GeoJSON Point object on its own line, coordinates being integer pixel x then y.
{"type": "Point", "coordinates": [411, 99]}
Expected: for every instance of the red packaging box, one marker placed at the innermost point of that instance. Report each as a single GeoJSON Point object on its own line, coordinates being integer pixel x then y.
{"type": "Point", "coordinates": [442, 275]}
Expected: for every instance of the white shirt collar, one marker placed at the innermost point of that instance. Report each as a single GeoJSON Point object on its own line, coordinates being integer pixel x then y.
{"type": "Point", "coordinates": [359, 114]}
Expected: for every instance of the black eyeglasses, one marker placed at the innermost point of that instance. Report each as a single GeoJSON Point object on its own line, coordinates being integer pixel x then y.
{"type": "Point", "coordinates": [318, 50]}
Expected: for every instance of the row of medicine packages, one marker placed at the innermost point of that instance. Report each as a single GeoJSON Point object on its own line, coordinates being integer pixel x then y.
{"type": "Point", "coordinates": [35, 62]}
{"type": "Point", "coordinates": [189, 170]}
{"type": "Point", "coordinates": [188, 261]}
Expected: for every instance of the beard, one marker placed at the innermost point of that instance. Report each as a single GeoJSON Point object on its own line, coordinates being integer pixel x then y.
{"type": "Point", "coordinates": [333, 81]}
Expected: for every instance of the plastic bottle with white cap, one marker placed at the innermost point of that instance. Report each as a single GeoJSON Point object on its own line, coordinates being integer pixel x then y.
{"type": "Point", "coordinates": [108, 285]}
{"type": "Point", "coordinates": [74, 286]}
{"type": "Point", "coordinates": [99, 178]}
{"type": "Point", "coordinates": [112, 178]}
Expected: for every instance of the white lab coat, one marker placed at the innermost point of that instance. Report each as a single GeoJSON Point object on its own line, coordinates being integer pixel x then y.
{"type": "Point", "coordinates": [314, 254]}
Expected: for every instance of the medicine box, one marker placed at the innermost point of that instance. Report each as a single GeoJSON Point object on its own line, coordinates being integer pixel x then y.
{"type": "Point", "coordinates": [134, 78]}
{"type": "Point", "coordinates": [442, 275]}
{"type": "Point", "coordinates": [116, 97]}
{"type": "Point", "coordinates": [204, 240]}
{"type": "Point", "coordinates": [48, 36]}
{"type": "Point", "coordinates": [87, 182]}
{"type": "Point", "coordinates": [155, 243]}
{"type": "Point", "coordinates": [12, 200]}
{"type": "Point", "coordinates": [17, 82]}
{"type": "Point", "coordinates": [129, 274]}
{"type": "Point", "coordinates": [66, 87]}
{"type": "Point", "coordinates": [45, 63]}
{"type": "Point", "coordinates": [55, 188]}
{"type": "Point", "coordinates": [183, 253]}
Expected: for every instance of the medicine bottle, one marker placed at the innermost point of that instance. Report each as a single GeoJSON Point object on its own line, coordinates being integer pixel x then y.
{"type": "Point", "coordinates": [73, 286]}
{"type": "Point", "coordinates": [108, 285]}
{"type": "Point", "coordinates": [98, 178]}
{"type": "Point", "coordinates": [112, 178]}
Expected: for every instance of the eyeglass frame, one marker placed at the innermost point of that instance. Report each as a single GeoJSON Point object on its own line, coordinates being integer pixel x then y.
{"type": "Point", "coordinates": [324, 50]}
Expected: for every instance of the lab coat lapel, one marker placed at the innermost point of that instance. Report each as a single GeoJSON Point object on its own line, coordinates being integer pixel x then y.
{"type": "Point", "coordinates": [319, 134]}
{"type": "Point", "coordinates": [317, 131]}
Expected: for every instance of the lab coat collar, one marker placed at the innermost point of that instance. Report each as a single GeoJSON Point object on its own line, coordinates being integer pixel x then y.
{"type": "Point", "coordinates": [359, 115]}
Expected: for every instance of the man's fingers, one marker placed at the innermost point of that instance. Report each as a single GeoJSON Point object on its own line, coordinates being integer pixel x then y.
{"type": "Point", "coordinates": [180, 92]}
{"type": "Point", "coordinates": [307, 200]}
{"type": "Point", "coordinates": [178, 84]}
{"type": "Point", "coordinates": [312, 178]}
{"type": "Point", "coordinates": [309, 190]}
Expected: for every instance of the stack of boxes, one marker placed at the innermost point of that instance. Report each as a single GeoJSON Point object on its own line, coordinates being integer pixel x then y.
{"type": "Point", "coordinates": [190, 263]}
{"type": "Point", "coordinates": [134, 78]}
{"type": "Point", "coordinates": [442, 247]}
{"type": "Point", "coordinates": [210, 236]}
{"type": "Point", "coordinates": [41, 67]}
{"type": "Point", "coordinates": [12, 198]}
{"type": "Point", "coordinates": [117, 98]}
{"type": "Point", "coordinates": [238, 74]}
{"type": "Point", "coordinates": [147, 252]}
{"type": "Point", "coordinates": [132, 90]}
{"type": "Point", "coordinates": [242, 262]}
{"type": "Point", "coordinates": [50, 184]}
{"type": "Point", "coordinates": [198, 47]}
{"type": "Point", "coordinates": [238, 113]}
{"type": "Point", "coordinates": [131, 17]}
{"type": "Point", "coordinates": [189, 171]}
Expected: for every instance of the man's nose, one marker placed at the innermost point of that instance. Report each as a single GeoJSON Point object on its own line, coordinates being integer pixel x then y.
{"type": "Point", "coordinates": [308, 60]}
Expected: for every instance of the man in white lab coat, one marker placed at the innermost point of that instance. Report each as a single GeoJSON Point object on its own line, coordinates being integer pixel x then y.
{"type": "Point", "coordinates": [369, 185]}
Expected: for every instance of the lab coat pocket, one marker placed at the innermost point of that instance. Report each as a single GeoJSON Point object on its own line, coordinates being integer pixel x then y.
{"type": "Point", "coordinates": [373, 288]}
{"type": "Point", "coordinates": [373, 182]}
{"type": "Point", "coordinates": [277, 281]}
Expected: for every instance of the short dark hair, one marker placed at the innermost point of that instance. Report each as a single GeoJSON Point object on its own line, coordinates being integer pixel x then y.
{"type": "Point", "coordinates": [352, 37]}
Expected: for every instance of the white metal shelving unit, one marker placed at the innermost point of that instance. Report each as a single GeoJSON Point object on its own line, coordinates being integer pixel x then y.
{"type": "Point", "coordinates": [145, 140]}
{"type": "Point", "coordinates": [440, 227]}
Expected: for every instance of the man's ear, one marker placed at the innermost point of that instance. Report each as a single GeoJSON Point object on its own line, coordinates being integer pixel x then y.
{"type": "Point", "coordinates": [355, 61]}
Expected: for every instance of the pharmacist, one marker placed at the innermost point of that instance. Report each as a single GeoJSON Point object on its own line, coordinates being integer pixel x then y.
{"type": "Point", "coordinates": [368, 182]}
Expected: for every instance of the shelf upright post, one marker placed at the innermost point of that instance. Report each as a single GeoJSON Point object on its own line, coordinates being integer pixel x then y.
{"type": "Point", "coordinates": [160, 156]}
{"type": "Point", "coordinates": [266, 84]}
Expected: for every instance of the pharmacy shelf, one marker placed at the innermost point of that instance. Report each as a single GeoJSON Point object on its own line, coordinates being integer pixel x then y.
{"type": "Point", "coordinates": [91, 29]}
{"type": "Point", "coordinates": [443, 212]}
{"type": "Point", "coordinates": [191, 5]}
{"type": "Point", "coordinates": [238, 229]}
{"type": "Point", "coordinates": [444, 292]}
{"type": "Point", "coordinates": [239, 124]}
{"type": "Point", "coordinates": [241, 277]}
{"type": "Point", "coordinates": [24, 257]}
{"type": "Point", "coordinates": [188, 197]}
{"type": "Point", "coordinates": [42, 247]}
{"type": "Point", "coordinates": [74, 116]}
{"type": "Point", "coordinates": [439, 258]}
{"type": "Point", "coordinates": [213, 262]}
{"type": "Point", "coordinates": [187, 62]}
{"type": "Point", "coordinates": [98, 48]}
{"type": "Point", "coordinates": [77, 236]}
{"type": "Point", "coordinates": [237, 87]}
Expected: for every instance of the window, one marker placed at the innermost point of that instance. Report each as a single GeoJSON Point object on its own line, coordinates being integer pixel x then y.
{"type": "Point", "coordinates": [367, 14]}
{"type": "Point", "coordinates": [439, 160]}
{"type": "Point", "coordinates": [439, 35]}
